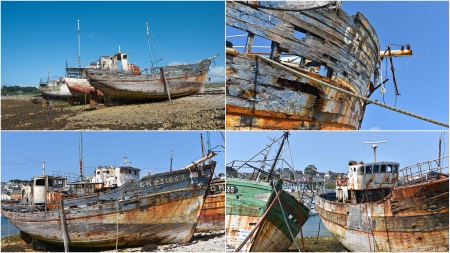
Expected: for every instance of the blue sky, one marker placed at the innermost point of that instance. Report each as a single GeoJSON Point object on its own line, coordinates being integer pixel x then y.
{"type": "Point", "coordinates": [423, 81]}
{"type": "Point", "coordinates": [332, 150]}
{"type": "Point", "coordinates": [23, 152]}
{"type": "Point", "coordinates": [35, 35]}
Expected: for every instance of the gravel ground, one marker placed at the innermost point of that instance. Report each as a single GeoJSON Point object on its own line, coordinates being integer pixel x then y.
{"type": "Point", "coordinates": [201, 242]}
{"type": "Point", "coordinates": [196, 112]}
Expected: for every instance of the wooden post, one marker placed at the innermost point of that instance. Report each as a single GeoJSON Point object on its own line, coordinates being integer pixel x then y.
{"type": "Point", "coordinates": [64, 227]}
{"type": "Point", "coordinates": [249, 43]}
{"type": "Point", "coordinates": [165, 84]}
{"type": "Point", "coordinates": [24, 239]}
{"type": "Point", "coordinates": [44, 102]}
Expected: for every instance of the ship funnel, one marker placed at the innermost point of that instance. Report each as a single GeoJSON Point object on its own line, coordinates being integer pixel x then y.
{"type": "Point", "coordinates": [374, 146]}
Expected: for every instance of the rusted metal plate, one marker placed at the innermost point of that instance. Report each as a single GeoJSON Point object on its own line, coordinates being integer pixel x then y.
{"type": "Point", "coordinates": [345, 48]}
{"type": "Point", "coordinates": [212, 216]}
{"type": "Point", "coordinates": [162, 208]}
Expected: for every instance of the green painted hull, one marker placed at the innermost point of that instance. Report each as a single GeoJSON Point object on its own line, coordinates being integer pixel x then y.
{"type": "Point", "coordinates": [248, 201]}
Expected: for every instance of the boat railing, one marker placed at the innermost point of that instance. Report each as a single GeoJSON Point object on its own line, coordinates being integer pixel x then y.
{"type": "Point", "coordinates": [84, 63]}
{"type": "Point", "coordinates": [425, 171]}
{"type": "Point", "coordinates": [46, 80]}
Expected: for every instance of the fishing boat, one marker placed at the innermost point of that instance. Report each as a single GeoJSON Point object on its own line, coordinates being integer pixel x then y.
{"type": "Point", "coordinates": [130, 84]}
{"type": "Point", "coordinates": [260, 215]}
{"type": "Point", "coordinates": [76, 81]}
{"type": "Point", "coordinates": [52, 87]}
{"type": "Point", "coordinates": [159, 208]}
{"type": "Point", "coordinates": [378, 207]}
{"type": "Point", "coordinates": [320, 60]}
{"type": "Point", "coordinates": [212, 217]}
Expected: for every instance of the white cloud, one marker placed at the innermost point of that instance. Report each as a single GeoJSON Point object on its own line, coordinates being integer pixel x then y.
{"type": "Point", "coordinates": [217, 74]}
{"type": "Point", "coordinates": [174, 63]}
{"type": "Point", "coordinates": [375, 128]}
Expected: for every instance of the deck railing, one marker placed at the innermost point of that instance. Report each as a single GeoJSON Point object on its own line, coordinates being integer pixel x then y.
{"type": "Point", "coordinates": [432, 169]}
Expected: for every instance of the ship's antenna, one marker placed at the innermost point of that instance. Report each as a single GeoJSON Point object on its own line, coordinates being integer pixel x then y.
{"type": "Point", "coordinates": [43, 168]}
{"type": "Point", "coordinates": [79, 62]}
{"type": "Point", "coordinates": [149, 48]}
{"type": "Point", "coordinates": [374, 146]}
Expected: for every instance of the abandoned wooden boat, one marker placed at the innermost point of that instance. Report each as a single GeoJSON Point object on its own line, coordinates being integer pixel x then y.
{"type": "Point", "coordinates": [76, 80]}
{"type": "Point", "coordinates": [131, 84]}
{"type": "Point", "coordinates": [159, 208]}
{"type": "Point", "coordinates": [82, 90]}
{"type": "Point", "coordinates": [378, 207]}
{"type": "Point", "coordinates": [260, 215]}
{"type": "Point", "coordinates": [212, 217]}
{"type": "Point", "coordinates": [54, 88]}
{"type": "Point", "coordinates": [323, 44]}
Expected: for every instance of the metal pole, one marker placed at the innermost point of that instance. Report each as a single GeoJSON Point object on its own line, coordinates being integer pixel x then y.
{"type": "Point", "coordinates": [79, 62]}
{"type": "Point", "coordinates": [278, 155]}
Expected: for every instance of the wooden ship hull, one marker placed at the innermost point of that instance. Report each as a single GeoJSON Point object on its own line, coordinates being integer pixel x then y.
{"type": "Point", "coordinates": [333, 47]}
{"type": "Point", "coordinates": [162, 208]}
{"type": "Point", "coordinates": [54, 90]}
{"type": "Point", "coordinates": [247, 201]}
{"type": "Point", "coordinates": [82, 90]}
{"type": "Point", "coordinates": [212, 217]}
{"type": "Point", "coordinates": [411, 218]}
{"type": "Point", "coordinates": [181, 80]}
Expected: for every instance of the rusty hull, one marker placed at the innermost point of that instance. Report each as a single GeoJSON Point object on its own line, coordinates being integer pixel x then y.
{"type": "Point", "coordinates": [81, 89]}
{"type": "Point", "coordinates": [162, 208]}
{"type": "Point", "coordinates": [212, 217]}
{"type": "Point", "coordinates": [182, 80]}
{"type": "Point", "coordinates": [411, 218]}
{"type": "Point", "coordinates": [262, 96]}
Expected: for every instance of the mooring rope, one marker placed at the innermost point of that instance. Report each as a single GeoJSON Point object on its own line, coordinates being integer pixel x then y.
{"type": "Point", "coordinates": [367, 100]}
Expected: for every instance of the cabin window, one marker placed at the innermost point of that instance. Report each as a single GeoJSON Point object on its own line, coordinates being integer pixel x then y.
{"type": "Point", "coordinates": [383, 168]}
{"type": "Point", "coordinates": [40, 182]}
{"type": "Point", "coordinates": [369, 169]}
{"type": "Point", "coordinates": [122, 171]}
{"type": "Point", "coordinates": [98, 172]}
{"type": "Point", "coordinates": [107, 172]}
{"type": "Point", "coordinates": [389, 168]}
{"type": "Point", "coordinates": [135, 172]}
{"type": "Point", "coordinates": [361, 170]}
{"type": "Point", "coordinates": [395, 168]}
{"type": "Point", "coordinates": [376, 168]}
